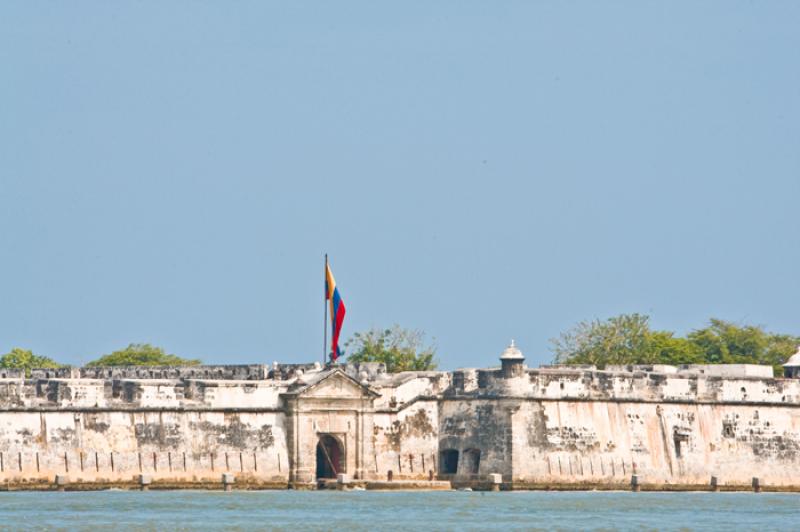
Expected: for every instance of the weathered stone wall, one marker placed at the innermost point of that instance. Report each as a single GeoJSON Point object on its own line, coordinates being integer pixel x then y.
{"type": "Point", "coordinates": [407, 442]}
{"type": "Point", "coordinates": [679, 443]}
{"type": "Point", "coordinates": [110, 431]}
{"type": "Point", "coordinates": [549, 427]}
{"type": "Point", "coordinates": [481, 430]}
{"type": "Point", "coordinates": [679, 428]}
{"type": "Point", "coordinates": [228, 372]}
{"type": "Point", "coordinates": [116, 446]}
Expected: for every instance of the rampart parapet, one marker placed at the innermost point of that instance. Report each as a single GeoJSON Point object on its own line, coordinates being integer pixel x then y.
{"type": "Point", "coordinates": [276, 425]}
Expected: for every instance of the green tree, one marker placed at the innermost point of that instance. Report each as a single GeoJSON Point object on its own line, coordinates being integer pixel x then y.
{"type": "Point", "coordinates": [727, 343]}
{"type": "Point", "coordinates": [142, 355]}
{"type": "Point", "coordinates": [622, 339]}
{"type": "Point", "coordinates": [25, 359]}
{"type": "Point", "coordinates": [400, 349]}
{"type": "Point", "coordinates": [724, 342]}
{"type": "Point", "coordinates": [628, 339]}
{"type": "Point", "coordinates": [664, 347]}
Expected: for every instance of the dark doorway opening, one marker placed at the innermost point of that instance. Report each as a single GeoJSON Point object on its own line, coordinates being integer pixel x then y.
{"type": "Point", "coordinates": [472, 461]}
{"type": "Point", "coordinates": [329, 457]}
{"type": "Point", "coordinates": [449, 462]}
{"type": "Point", "coordinates": [679, 438]}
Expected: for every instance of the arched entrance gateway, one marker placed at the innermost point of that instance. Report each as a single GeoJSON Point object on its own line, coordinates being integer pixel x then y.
{"type": "Point", "coordinates": [329, 457]}
{"type": "Point", "coordinates": [329, 415]}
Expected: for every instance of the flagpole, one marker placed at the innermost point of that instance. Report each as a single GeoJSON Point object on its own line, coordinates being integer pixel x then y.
{"type": "Point", "coordinates": [325, 304]}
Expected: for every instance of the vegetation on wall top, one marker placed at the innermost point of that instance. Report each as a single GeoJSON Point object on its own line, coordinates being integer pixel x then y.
{"type": "Point", "coordinates": [400, 349]}
{"type": "Point", "coordinates": [19, 358]}
{"type": "Point", "coordinates": [629, 339]}
{"type": "Point", "coordinates": [142, 355]}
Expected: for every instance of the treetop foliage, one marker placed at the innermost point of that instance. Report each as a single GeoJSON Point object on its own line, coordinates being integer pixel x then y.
{"type": "Point", "coordinates": [400, 349]}
{"type": "Point", "coordinates": [142, 355]}
{"type": "Point", "coordinates": [628, 339]}
{"type": "Point", "coordinates": [25, 359]}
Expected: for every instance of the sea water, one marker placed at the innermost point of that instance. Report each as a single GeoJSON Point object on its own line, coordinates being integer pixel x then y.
{"type": "Point", "coordinates": [369, 510]}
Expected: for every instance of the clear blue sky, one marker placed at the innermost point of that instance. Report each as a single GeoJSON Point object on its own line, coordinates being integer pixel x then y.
{"type": "Point", "coordinates": [172, 172]}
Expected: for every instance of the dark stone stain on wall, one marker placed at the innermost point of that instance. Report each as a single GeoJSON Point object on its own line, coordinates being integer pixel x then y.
{"type": "Point", "coordinates": [454, 426]}
{"type": "Point", "coordinates": [494, 431]}
{"type": "Point", "coordinates": [604, 384]}
{"type": "Point", "coordinates": [10, 395]}
{"type": "Point", "coordinates": [27, 437]}
{"type": "Point", "coordinates": [761, 437]}
{"type": "Point", "coordinates": [573, 439]}
{"type": "Point", "coordinates": [234, 433]}
{"type": "Point", "coordinates": [537, 431]}
{"type": "Point", "coordinates": [418, 425]}
{"type": "Point", "coordinates": [90, 422]}
{"type": "Point", "coordinates": [158, 434]}
{"type": "Point", "coordinates": [776, 446]}
{"type": "Point", "coordinates": [265, 437]}
{"type": "Point", "coordinates": [393, 436]}
{"type": "Point", "coordinates": [66, 437]}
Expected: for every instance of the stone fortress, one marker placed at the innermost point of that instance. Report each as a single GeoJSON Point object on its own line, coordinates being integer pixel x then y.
{"type": "Point", "coordinates": [303, 426]}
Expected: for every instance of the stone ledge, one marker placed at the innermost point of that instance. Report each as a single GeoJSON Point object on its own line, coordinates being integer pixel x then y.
{"type": "Point", "coordinates": [626, 486]}
{"type": "Point", "coordinates": [408, 485]}
{"type": "Point", "coordinates": [399, 485]}
{"type": "Point", "coordinates": [46, 485]}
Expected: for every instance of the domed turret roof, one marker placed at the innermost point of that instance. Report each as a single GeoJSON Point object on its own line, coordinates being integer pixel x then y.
{"type": "Point", "coordinates": [512, 353]}
{"type": "Point", "coordinates": [794, 360]}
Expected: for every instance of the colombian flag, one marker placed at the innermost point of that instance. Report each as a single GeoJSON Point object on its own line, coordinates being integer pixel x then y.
{"type": "Point", "coordinates": [337, 311]}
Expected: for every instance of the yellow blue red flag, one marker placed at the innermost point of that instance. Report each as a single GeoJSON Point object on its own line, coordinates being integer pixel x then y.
{"type": "Point", "coordinates": [337, 312]}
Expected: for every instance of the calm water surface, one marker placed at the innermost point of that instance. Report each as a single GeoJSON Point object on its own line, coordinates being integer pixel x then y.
{"type": "Point", "coordinates": [360, 510]}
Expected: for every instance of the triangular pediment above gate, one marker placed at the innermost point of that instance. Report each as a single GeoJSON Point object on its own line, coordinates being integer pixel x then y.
{"type": "Point", "coordinates": [332, 384]}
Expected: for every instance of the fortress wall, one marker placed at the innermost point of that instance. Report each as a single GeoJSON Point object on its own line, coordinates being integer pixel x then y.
{"type": "Point", "coordinates": [591, 442]}
{"type": "Point", "coordinates": [641, 386]}
{"type": "Point", "coordinates": [222, 372]}
{"type": "Point", "coordinates": [593, 427]}
{"type": "Point", "coordinates": [236, 394]}
{"type": "Point", "coordinates": [551, 427]}
{"type": "Point", "coordinates": [482, 427]}
{"type": "Point", "coordinates": [408, 387]}
{"type": "Point", "coordinates": [405, 440]}
{"type": "Point", "coordinates": [406, 443]}
{"type": "Point", "coordinates": [118, 445]}
{"type": "Point", "coordinates": [139, 393]}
